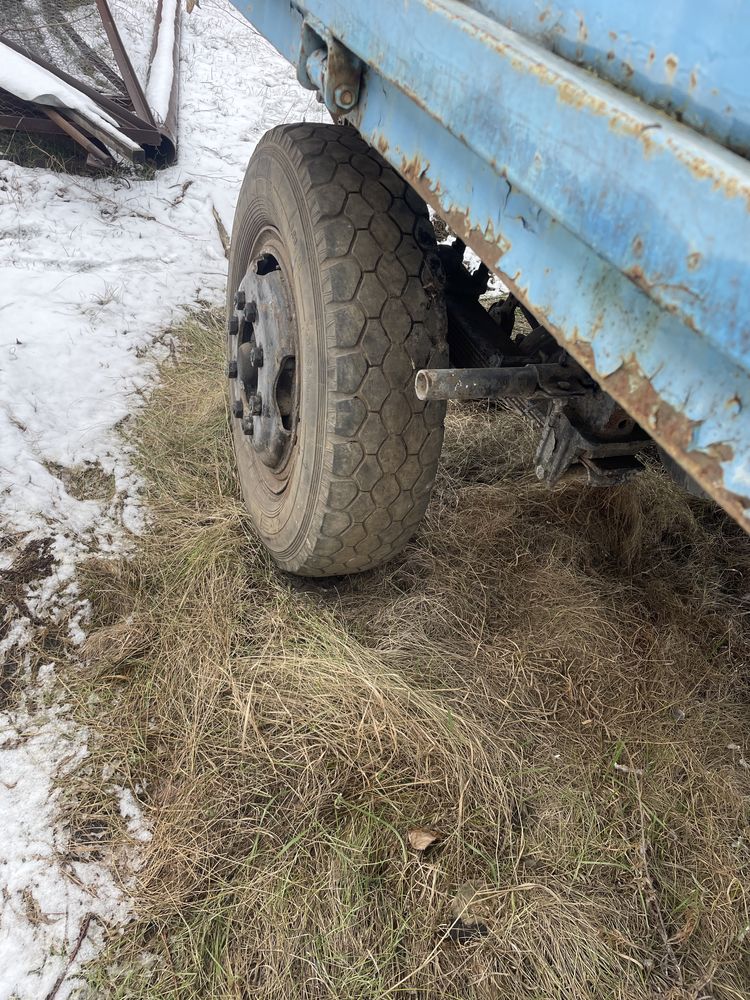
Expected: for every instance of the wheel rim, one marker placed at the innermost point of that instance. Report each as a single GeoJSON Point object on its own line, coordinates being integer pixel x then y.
{"type": "Point", "coordinates": [264, 364]}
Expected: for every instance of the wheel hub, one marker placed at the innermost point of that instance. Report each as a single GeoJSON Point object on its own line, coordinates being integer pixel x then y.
{"type": "Point", "coordinates": [263, 362]}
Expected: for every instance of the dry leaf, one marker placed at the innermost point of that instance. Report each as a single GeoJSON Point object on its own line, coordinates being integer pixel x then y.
{"type": "Point", "coordinates": [687, 929]}
{"type": "Point", "coordinates": [34, 913]}
{"type": "Point", "coordinates": [421, 837]}
{"type": "Point", "coordinates": [191, 4]}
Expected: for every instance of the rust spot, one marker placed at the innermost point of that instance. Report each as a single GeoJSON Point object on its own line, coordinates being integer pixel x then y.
{"type": "Point", "coordinates": [632, 388]}
{"type": "Point", "coordinates": [623, 123]}
{"type": "Point", "coordinates": [693, 260]}
{"type": "Point", "coordinates": [638, 246]}
{"type": "Point", "coordinates": [576, 97]}
{"type": "Point", "coordinates": [693, 80]}
{"type": "Point", "coordinates": [636, 275]}
{"type": "Point", "coordinates": [583, 33]}
{"type": "Point", "coordinates": [613, 35]}
{"type": "Point", "coordinates": [610, 55]}
{"type": "Point", "coordinates": [652, 285]}
{"type": "Point", "coordinates": [721, 451]}
{"type": "Point", "coordinates": [702, 170]}
{"type": "Point", "coordinates": [627, 69]}
{"type": "Point", "coordinates": [670, 65]}
{"type": "Point", "coordinates": [488, 245]}
{"type": "Point", "coordinates": [734, 403]}
{"type": "Point", "coordinates": [651, 57]}
{"type": "Point", "coordinates": [596, 326]}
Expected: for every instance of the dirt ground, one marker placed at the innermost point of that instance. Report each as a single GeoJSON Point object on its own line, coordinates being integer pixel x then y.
{"type": "Point", "coordinates": [511, 764]}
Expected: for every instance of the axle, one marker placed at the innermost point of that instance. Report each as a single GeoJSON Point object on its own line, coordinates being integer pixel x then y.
{"type": "Point", "coordinates": [522, 382]}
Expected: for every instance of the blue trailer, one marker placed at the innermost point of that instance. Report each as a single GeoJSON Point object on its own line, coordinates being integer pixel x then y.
{"type": "Point", "coordinates": [593, 155]}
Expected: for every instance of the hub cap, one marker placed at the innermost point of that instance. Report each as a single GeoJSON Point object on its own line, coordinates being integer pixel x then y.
{"type": "Point", "coordinates": [264, 391]}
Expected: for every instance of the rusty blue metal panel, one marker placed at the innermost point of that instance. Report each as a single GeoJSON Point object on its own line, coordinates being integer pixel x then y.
{"type": "Point", "coordinates": [626, 232]}
{"type": "Point", "coordinates": [681, 389]}
{"type": "Point", "coordinates": [689, 58]}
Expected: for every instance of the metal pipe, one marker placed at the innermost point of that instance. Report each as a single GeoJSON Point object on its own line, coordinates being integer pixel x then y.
{"type": "Point", "coordinates": [524, 382]}
{"type": "Point", "coordinates": [162, 88]}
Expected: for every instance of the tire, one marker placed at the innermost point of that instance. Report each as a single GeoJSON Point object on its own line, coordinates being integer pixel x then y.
{"type": "Point", "coordinates": [339, 482]}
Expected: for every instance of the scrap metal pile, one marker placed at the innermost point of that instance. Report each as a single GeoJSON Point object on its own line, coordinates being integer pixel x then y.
{"type": "Point", "coordinates": [65, 71]}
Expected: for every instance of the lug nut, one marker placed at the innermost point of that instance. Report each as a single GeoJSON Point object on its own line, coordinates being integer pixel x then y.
{"type": "Point", "coordinates": [256, 404]}
{"type": "Point", "coordinates": [232, 369]}
{"type": "Point", "coordinates": [234, 326]}
{"type": "Point", "coordinates": [256, 357]}
{"type": "Point", "coordinates": [251, 312]}
{"type": "Point", "coordinates": [248, 426]}
{"type": "Point", "coordinates": [237, 408]}
{"type": "Point", "coordinates": [239, 300]}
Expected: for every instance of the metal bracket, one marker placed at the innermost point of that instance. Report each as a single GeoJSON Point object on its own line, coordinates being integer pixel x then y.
{"type": "Point", "coordinates": [566, 450]}
{"type": "Point", "coordinates": [329, 67]}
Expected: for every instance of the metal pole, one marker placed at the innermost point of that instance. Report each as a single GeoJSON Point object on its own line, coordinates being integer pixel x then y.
{"type": "Point", "coordinates": [132, 84]}
{"type": "Point", "coordinates": [524, 382]}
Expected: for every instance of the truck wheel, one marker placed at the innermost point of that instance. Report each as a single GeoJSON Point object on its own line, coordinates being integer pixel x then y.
{"type": "Point", "coordinates": [334, 301]}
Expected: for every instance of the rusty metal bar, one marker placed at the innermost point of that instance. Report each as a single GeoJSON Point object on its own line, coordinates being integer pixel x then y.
{"type": "Point", "coordinates": [523, 382]}
{"type": "Point", "coordinates": [78, 136]}
{"type": "Point", "coordinates": [28, 123]}
{"type": "Point", "coordinates": [136, 155]}
{"type": "Point", "coordinates": [132, 84]}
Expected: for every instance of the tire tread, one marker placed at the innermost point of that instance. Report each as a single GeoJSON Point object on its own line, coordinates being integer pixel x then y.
{"type": "Point", "coordinates": [382, 284]}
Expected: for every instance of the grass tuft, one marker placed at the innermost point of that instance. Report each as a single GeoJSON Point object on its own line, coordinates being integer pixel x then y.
{"type": "Point", "coordinates": [550, 680]}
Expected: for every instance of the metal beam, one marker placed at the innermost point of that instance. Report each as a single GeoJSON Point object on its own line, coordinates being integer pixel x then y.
{"type": "Point", "coordinates": [132, 84]}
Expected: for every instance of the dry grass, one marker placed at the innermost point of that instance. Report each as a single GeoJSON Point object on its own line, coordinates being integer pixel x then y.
{"type": "Point", "coordinates": [551, 680]}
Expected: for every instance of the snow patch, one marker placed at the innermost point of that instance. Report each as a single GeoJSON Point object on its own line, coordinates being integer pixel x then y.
{"type": "Point", "coordinates": [47, 892]}
{"type": "Point", "coordinates": [24, 78]}
{"type": "Point", "coordinates": [131, 812]}
{"type": "Point", "coordinates": [92, 271]}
